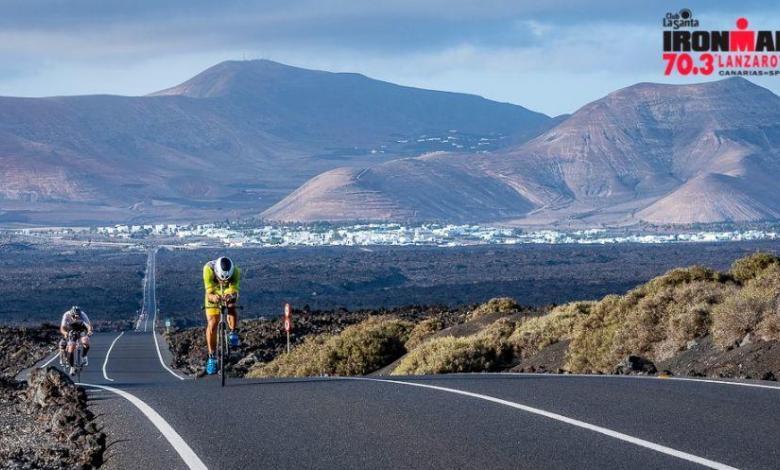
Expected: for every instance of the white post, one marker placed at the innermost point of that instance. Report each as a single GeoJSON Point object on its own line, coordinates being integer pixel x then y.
{"type": "Point", "coordinates": [288, 323]}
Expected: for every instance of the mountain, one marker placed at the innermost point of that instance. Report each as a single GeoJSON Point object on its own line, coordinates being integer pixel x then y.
{"type": "Point", "coordinates": [706, 152]}
{"type": "Point", "coordinates": [231, 141]}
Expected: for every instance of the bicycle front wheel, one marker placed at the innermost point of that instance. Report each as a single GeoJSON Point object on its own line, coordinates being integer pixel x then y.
{"type": "Point", "coordinates": [221, 351]}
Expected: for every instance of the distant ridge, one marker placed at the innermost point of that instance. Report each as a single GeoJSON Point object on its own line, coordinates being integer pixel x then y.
{"type": "Point", "coordinates": [682, 154]}
{"type": "Point", "coordinates": [229, 142]}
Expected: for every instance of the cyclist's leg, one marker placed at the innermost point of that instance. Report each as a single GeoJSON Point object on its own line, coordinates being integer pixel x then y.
{"type": "Point", "coordinates": [84, 344]}
{"type": "Point", "coordinates": [62, 345]}
{"type": "Point", "coordinates": [71, 348]}
{"type": "Point", "coordinates": [232, 317]}
{"type": "Point", "coordinates": [211, 330]}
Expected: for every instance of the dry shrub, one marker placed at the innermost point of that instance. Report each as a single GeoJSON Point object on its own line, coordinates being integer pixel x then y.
{"type": "Point", "coordinates": [749, 267]}
{"type": "Point", "coordinates": [359, 349]}
{"type": "Point", "coordinates": [591, 346]}
{"type": "Point", "coordinates": [304, 360]}
{"type": "Point", "coordinates": [654, 320]}
{"type": "Point", "coordinates": [676, 277]}
{"type": "Point", "coordinates": [484, 351]}
{"type": "Point", "coordinates": [422, 331]}
{"type": "Point", "coordinates": [497, 305]}
{"type": "Point", "coordinates": [660, 325]}
{"type": "Point", "coordinates": [769, 327]}
{"type": "Point", "coordinates": [752, 309]}
{"type": "Point", "coordinates": [536, 333]}
{"type": "Point", "coordinates": [448, 354]}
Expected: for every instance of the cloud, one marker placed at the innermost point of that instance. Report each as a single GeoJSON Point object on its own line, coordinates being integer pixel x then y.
{"type": "Point", "coordinates": [551, 56]}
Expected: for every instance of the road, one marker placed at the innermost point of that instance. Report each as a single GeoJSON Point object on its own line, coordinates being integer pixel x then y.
{"type": "Point", "coordinates": [157, 418]}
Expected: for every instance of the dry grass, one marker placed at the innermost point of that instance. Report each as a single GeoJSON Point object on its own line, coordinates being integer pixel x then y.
{"type": "Point", "coordinates": [753, 309]}
{"type": "Point", "coordinates": [483, 351]}
{"type": "Point", "coordinates": [749, 267]}
{"type": "Point", "coordinates": [497, 305]}
{"type": "Point", "coordinates": [654, 320]}
{"type": "Point", "coordinates": [422, 331]}
{"type": "Point", "coordinates": [536, 333]}
{"type": "Point", "coordinates": [360, 349]}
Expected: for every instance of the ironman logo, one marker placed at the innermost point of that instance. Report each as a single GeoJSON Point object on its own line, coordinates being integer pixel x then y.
{"type": "Point", "coordinates": [741, 50]}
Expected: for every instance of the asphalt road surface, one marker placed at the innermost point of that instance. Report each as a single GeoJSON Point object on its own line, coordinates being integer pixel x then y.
{"type": "Point", "coordinates": [157, 418]}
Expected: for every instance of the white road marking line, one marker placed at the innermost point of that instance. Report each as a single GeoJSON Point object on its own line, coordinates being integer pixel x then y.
{"type": "Point", "coordinates": [50, 360]}
{"type": "Point", "coordinates": [154, 321]}
{"type": "Point", "coordinates": [179, 445]}
{"type": "Point", "coordinates": [157, 345]}
{"type": "Point", "coordinates": [105, 361]}
{"type": "Point", "coordinates": [564, 419]}
{"type": "Point", "coordinates": [724, 382]}
{"type": "Point", "coordinates": [639, 377]}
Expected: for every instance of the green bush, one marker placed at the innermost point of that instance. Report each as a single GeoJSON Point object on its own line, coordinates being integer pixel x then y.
{"type": "Point", "coordinates": [358, 350]}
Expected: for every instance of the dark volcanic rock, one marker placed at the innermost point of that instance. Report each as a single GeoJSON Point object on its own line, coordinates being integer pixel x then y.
{"type": "Point", "coordinates": [638, 365]}
{"type": "Point", "coordinates": [22, 347]}
{"type": "Point", "coordinates": [551, 359]}
{"type": "Point", "coordinates": [756, 360]}
{"type": "Point", "coordinates": [52, 426]}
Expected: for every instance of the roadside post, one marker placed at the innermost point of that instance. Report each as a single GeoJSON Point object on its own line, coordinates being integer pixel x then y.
{"type": "Point", "coordinates": [167, 325]}
{"type": "Point", "coordinates": [288, 323]}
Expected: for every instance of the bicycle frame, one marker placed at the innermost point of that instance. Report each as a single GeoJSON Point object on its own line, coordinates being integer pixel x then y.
{"type": "Point", "coordinates": [77, 352]}
{"type": "Point", "coordinates": [223, 345]}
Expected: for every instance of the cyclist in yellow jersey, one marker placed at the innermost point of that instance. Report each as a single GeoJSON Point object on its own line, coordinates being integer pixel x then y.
{"type": "Point", "coordinates": [221, 281]}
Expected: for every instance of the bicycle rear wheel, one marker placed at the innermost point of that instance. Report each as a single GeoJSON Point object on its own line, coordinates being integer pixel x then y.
{"type": "Point", "coordinates": [77, 363]}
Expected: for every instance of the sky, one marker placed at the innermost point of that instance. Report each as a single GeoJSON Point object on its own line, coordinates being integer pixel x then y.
{"type": "Point", "coordinates": [551, 56]}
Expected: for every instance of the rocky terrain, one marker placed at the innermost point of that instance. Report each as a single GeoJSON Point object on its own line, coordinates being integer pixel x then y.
{"type": "Point", "coordinates": [45, 420]}
{"type": "Point", "coordinates": [49, 280]}
{"type": "Point", "coordinates": [50, 424]}
{"type": "Point", "coordinates": [329, 278]}
{"type": "Point", "coordinates": [689, 321]}
{"type": "Point", "coordinates": [655, 153]}
{"type": "Point", "coordinates": [22, 347]}
{"type": "Point", "coordinates": [87, 159]}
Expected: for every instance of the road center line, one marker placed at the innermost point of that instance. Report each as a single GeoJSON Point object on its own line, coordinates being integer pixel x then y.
{"type": "Point", "coordinates": [564, 419]}
{"type": "Point", "coordinates": [105, 361]}
{"type": "Point", "coordinates": [179, 445]}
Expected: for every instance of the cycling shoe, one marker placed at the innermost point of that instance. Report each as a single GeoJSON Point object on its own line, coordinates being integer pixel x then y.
{"type": "Point", "coordinates": [234, 340]}
{"type": "Point", "coordinates": [211, 366]}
